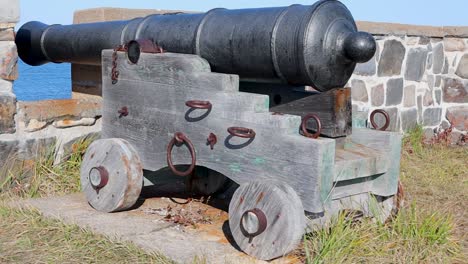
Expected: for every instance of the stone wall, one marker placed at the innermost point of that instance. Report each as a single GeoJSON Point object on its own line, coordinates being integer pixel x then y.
{"type": "Point", "coordinates": [419, 76]}
{"type": "Point", "coordinates": [28, 128]}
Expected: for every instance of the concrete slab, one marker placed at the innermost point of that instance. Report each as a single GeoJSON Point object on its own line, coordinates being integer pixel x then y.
{"type": "Point", "coordinates": [204, 231]}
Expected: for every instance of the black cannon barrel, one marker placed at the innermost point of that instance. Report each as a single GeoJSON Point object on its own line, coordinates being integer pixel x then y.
{"type": "Point", "coordinates": [316, 45]}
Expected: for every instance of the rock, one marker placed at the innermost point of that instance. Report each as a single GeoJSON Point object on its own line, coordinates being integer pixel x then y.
{"type": "Point", "coordinates": [377, 95]}
{"type": "Point", "coordinates": [420, 108]}
{"type": "Point", "coordinates": [409, 119]}
{"type": "Point", "coordinates": [438, 81]}
{"type": "Point", "coordinates": [10, 11]}
{"type": "Point", "coordinates": [359, 91]}
{"type": "Point", "coordinates": [391, 59]}
{"type": "Point", "coordinates": [438, 58]}
{"type": "Point", "coordinates": [35, 125]}
{"type": "Point", "coordinates": [456, 138]}
{"type": "Point", "coordinates": [454, 44]}
{"type": "Point", "coordinates": [445, 70]}
{"type": "Point", "coordinates": [458, 117]}
{"type": "Point", "coordinates": [429, 61]}
{"type": "Point", "coordinates": [462, 69]}
{"type": "Point", "coordinates": [7, 113]}
{"type": "Point", "coordinates": [428, 100]}
{"type": "Point", "coordinates": [394, 91]}
{"type": "Point", "coordinates": [438, 96]}
{"type": "Point", "coordinates": [428, 134]}
{"type": "Point", "coordinates": [394, 119]}
{"type": "Point", "coordinates": [430, 81]}
{"type": "Point", "coordinates": [366, 69]}
{"type": "Point", "coordinates": [66, 123]}
{"type": "Point", "coordinates": [6, 86]}
{"type": "Point", "coordinates": [416, 64]}
{"type": "Point", "coordinates": [455, 90]}
{"type": "Point", "coordinates": [409, 96]}
{"type": "Point", "coordinates": [432, 116]}
{"type": "Point", "coordinates": [9, 57]}
{"type": "Point", "coordinates": [7, 34]}
{"type": "Point", "coordinates": [8, 155]}
{"type": "Point", "coordinates": [444, 125]}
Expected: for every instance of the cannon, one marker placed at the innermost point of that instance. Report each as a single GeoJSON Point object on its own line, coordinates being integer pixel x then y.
{"type": "Point", "coordinates": [302, 45]}
{"type": "Point", "coordinates": [225, 97]}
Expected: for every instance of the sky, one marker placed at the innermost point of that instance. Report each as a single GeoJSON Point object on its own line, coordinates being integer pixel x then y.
{"type": "Point", "coordinates": [420, 12]}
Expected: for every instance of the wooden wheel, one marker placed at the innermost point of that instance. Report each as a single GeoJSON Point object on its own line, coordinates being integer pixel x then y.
{"type": "Point", "coordinates": [266, 220]}
{"type": "Point", "coordinates": [111, 175]}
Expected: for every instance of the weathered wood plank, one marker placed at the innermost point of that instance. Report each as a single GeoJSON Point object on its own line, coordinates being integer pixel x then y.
{"type": "Point", "coordinates": [172, 71]}
{"type": "Point", "coordinates": [172, 98]}
{"type": "Point", "coordinates": [333, 107]}
{"type": "Point", "coordinates": [358, 161]}
{"type": "Point", "coordinates": [270, 156]}
{"type": "Point", "coordinates": [389, 143]}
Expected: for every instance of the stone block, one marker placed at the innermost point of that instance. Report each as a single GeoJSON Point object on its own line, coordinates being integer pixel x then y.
{"type": "Point", "coordinates": [7, 113]}
{"type": "Point", "coordinates": [8, 59]}
{"type": "Point", "coordinates": [409, 96]}
{"type": "Point", "coordinates": [409, 119]}
{"type": "Point", "coordinates": [54, 110]}
{"type": "Point", "coordinates": [455, 90]}
{"type": "Point", "coordinates": [9, 11]}
{"type": "Point", "coordinates": [391, 60]}
{"type": "Point", "coordinates": [420, 108]}
{"type": "Point", "coordinates": [432, 116]}
{"type": "Point", "coordinates": [416, 64]}
{"type": "Point", "coordinates": [377, 95]}
{"type": "Point", "coordinates": [438, 81]}
{"type": "Point", "coordinates": [428, 99]}
{"type": "Point", "coordinates": [462, 69]}
{"type": "Point", "coordinates": [424, 40]}
{"type": "Point", "coordinates": [429, 62]}
{"type": "Point", "coordinates": [458, 117]}
{"type": "Point", "coordinates": [454, 44]}
{"type": "Point", "coordinates": [445, 69]}
{"type": "Point", "coordinates": [359, 91]}
{"type": "Point", "coordinates": [438, 96]}
{"type": "Point", "coordinates": [438, 58]}
{"type": "Point", "coordinates": [366, 69]}
{"type": "Point", "coordinates": [7, 34]}
{"type": "Point", "coordinates": [394, 91]}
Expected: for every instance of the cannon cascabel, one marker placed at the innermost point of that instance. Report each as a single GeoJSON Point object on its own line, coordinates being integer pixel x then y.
{"type": "Point", "coordinates": [316, 45]}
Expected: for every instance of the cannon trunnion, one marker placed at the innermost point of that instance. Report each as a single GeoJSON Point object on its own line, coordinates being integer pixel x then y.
{"type": "Point", "coordinates": [316, 45]}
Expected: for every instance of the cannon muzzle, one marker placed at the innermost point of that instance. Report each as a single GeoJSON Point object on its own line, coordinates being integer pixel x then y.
{"type": "Point", "coordinates": [316, 45]}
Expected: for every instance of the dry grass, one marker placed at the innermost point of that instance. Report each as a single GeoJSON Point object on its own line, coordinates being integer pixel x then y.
{"type": "Point", "coordinates": [26, 237]}
{"type": "Point", "coordinates": [430, 229]}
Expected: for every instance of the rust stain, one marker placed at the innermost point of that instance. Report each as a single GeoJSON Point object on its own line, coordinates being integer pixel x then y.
{"type": "Point", "coordinates": [260, 197]}
{"type": "Point", "coordinates": [342, 99]}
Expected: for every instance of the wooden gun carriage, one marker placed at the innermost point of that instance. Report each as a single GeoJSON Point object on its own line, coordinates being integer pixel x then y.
{"type": "Point", "coordinates": [211, 108]}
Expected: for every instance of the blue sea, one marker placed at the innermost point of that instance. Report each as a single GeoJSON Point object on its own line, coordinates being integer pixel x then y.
{"type": "Point", "coordinates": [49, 81]}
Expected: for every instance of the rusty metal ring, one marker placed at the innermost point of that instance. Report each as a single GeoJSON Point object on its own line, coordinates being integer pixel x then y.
{"type": "Point", "coordinates": [180, 138]}
{"type": "Point", "coordinates": [262, 223]}
{"type": "Point", "coordinates": [241, 132]}
{"type": "Point", "coordinates": [197, 104]}
{"type": "Point", "coordinates": [387, 119]}
{"type": "Point", "coordinates": [304, 126]}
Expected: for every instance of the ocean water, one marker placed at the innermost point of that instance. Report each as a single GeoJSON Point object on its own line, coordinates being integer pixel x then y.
{"type": "Point", "coordinates": [49, 81]}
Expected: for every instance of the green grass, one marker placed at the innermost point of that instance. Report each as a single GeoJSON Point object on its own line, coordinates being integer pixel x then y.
{"type": "Point", "coordinates": [429, 229]}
